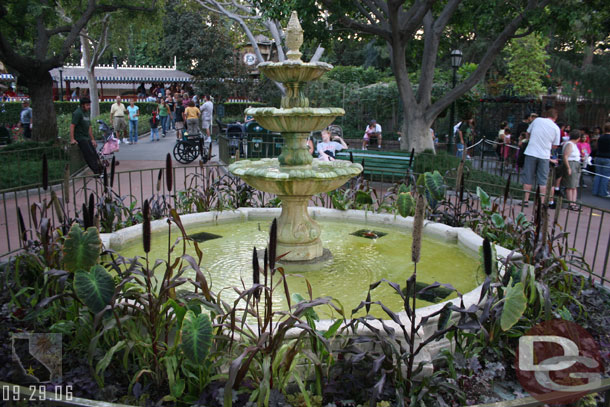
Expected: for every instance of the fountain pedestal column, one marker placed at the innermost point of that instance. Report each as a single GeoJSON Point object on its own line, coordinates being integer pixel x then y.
{"type": "Point", "coordinates": [297, 233]}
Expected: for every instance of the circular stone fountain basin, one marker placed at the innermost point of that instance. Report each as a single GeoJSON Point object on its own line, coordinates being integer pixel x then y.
{"type": "Point", "coordinates": [448, 254]}
{"type": "Point", "coordinates": [295, 119]}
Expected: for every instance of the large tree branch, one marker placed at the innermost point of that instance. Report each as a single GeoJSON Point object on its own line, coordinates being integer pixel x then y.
{"type": "Point", "coordinates": [276, 33]}
{"type": "Point", "coordinates": [486, 61]}
{"type": "Point", "coordinates": [348, 22]}
{"type": "Point", "coordinates": [373, 14]}
{"type": "Point", "coordinates": [410, 21]}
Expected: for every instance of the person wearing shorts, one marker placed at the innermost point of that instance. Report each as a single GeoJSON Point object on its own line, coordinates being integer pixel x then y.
{"type": "Point", "coordinates": [207, 110]}
{"type": "Point", "coordinates": [179, 112]}
{"type": "Point", "coordinates": [117, 117]}
{"type": "Point", "coordinates": [192, 114]}
{"type": "Point", "coordinates": [373, 130]}
{"type": "Point", "coordinates": [571, 168]}
{"type": "Point", "coordinates": [544, 135]}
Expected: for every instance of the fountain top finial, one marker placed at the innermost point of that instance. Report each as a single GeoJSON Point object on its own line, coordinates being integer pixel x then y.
{"type": "Point", "coordinates": [294, 38]}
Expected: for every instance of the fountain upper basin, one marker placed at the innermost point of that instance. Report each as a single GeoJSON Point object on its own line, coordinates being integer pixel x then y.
{"type": "Point", "coordinates": [294, 70]}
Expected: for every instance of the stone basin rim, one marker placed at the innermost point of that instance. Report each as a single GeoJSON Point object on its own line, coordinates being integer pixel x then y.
{"type": "Point", "coordinates": [465, 238]}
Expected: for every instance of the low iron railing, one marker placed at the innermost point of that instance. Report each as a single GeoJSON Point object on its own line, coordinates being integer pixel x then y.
{"type": "Point", "coordinates": [587, 230]}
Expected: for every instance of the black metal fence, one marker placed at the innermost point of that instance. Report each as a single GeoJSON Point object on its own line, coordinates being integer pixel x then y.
{"type": "Point", "coordinates": [587, 229]}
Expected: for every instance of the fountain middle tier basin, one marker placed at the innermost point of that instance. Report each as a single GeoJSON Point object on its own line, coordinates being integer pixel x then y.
{"type": "Point", "coordinates": [295, 119]}
{"type": "Point", "coordinates": [321, 176]}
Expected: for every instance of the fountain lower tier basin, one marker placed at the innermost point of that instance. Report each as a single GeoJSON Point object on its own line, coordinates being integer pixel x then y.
{"type": "Point", "coordinates": [321, 176]}
{"type": "Point", "coordinates": [448, 255]}
{"type": "Point", "coordinates": [296, 119]}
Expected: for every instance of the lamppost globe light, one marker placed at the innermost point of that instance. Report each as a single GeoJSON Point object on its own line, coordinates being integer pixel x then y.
{"type": "Point", "coordinates": [456, 58]}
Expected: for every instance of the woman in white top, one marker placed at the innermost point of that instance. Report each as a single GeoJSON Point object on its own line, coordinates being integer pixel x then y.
{"type": "Point", "coordinates": [571, 168]}
{"type": "Point", "coordinates": [326, 148]}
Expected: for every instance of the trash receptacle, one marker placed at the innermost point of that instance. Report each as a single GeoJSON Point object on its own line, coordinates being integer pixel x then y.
{"type": "Point", "coordinates": [261, 142]}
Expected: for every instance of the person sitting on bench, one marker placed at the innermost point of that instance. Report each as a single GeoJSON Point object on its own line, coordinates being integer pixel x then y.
{"type": "Point", "coordinates": [372, 130]}
{"type": "Point", "coordinates": [326, 149]}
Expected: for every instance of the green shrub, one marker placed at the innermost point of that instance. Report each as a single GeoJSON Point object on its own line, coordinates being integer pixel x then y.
{"type": "Point", "coordinates": [446, 164]}
{"type": "Point", "coordinates": [63, 125]}
{"type": "Point", "coordinates": [9, 113]}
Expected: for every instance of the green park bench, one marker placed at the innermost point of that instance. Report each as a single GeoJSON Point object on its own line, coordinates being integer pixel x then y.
{"type": "Point", "coordinates": [390, 164]}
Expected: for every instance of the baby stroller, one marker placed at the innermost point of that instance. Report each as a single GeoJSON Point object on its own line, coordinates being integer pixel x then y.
{"type": "Point", "coordinates": [236, 133]}
{"type": "Point", "coordinates": [109, 146]}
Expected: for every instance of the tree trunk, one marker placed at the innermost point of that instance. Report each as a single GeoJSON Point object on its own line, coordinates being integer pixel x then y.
{"type": "Point", "coordinates": [95, 101]}
{"type": "Point", "coordinates": [44, 121]}
{"type": "Point", "coordinates": [416, 134]}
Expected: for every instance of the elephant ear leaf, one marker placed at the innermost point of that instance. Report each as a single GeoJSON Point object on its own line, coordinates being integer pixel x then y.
{"type": "Point", "coordinates": [405, 204]}
{"type": "Point", "coordinates": [435, 184]}
{"type": "Point", "coordinates": [403, 189]}
{"type": "Point", "coordinates": [196, 336]}
{"type": "Point", "coordinates": [484, 198]}
{"type": "Point", "coordinates": [94, 288]}
{"type": "Point", "coordinates": [514, 306]}
{"type": "Point", "coordinates": [81, 249]}
{"type": "Point", "coordinates": [363, 198]}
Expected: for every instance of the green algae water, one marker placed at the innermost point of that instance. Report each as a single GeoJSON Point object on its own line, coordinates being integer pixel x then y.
{"type": "Point", "coordinates": [356, 263]}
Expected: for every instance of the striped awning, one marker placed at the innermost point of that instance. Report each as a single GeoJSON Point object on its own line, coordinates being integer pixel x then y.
{"type": "Point", "coordinates": [127, 79]}
{"type": "Point", "coordinates": [6, 77]}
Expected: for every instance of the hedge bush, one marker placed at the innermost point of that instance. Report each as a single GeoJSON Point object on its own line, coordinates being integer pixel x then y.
{"type": "Point", "coordinates": [9, 111]}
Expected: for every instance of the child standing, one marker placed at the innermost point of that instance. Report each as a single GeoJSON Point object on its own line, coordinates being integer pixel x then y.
{"type": "Point", "coordinates": [154, 126]}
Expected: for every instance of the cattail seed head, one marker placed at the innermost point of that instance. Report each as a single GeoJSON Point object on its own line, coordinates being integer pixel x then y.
{"type": "Point", "coordinates": [45, 172]}
{"type": "Point", "coordinates": [418, 228]}
{"type": "Point", "coordinates": [91, 212]}
{"type": "Point", "coordinates": [272, 244]}
{"type": "Point", "coordinates": [105, 179]}
{"type": "Point", "coordinates": [168, 172]}
{"type": "Point", "coordinates": [487, 257]}
{"type": "Point", "coordinates": [66, 185]}
{"type": "Point", "coordinates": [256, 273]}
{"type": "Point", "coordinates": [86, 222]}
{"type": "Point", "coordinates": [159, 178]}
{"type": "Point", "coordinates": [146, 233]}
{"type": "Point", "coordinates": [112, 169]}
{"type": "Point", "coordinates": [22, 230]}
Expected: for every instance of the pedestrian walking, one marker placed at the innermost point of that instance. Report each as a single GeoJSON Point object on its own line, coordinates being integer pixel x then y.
{"type": "Point", "coordinates": [134, 114]}
{"type": "Point", "coordinates": [117, 117]}
{"type": "Point", "coordinates": [602, 164]}
{"type": "Point", "coordinates": [154, 126]}
{"type": "Point", "coordinates": [164, 116]}
{"type": "Point", "coordinates": [207, 111]}
{"type": "Point", "coordinates": [25, 119]}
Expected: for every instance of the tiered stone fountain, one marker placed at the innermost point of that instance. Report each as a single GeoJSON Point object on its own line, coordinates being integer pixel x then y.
{"type": "Point", "coordinates": [294, 176]}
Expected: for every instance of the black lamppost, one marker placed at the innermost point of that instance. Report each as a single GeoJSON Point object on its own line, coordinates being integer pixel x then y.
{"type": "Point", "coordinates": [114, 61]}
{"type": "Point", "coordinates": [61, 84]}
{"type": "Point", "coordinates": [456, 62]}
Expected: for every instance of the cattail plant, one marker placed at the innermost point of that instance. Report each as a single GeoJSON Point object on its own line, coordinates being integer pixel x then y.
{"type": "Point", "coordinates": [45, 172]}
{"type": "Point", "coordinates": [112, 169]}
{"type": "Point", "coordinates": [22, 230]}
{"type": "Point", "coordinates": [146, 234]}
{"type": "Point", "coordinates": [105, 180]}
{"type": "Point", "coordinates": [418, 228]}
{"type": "Point", "coordinates": [91, 212]}
{"type": "Point", "coordinates": [256, 273]}
{"type": "Point", "coordinates": [66, 184]}
{"type": "Point", "coordinates": [412, 157]}
{"type": "Point", "coordinates": [159, 178]}
{"type": "Point", "coordinates": [487, 257]}
{"type": "Point", "coordinates": [168, 172]}
{"type": "Point", "coordinates": [272, 245]}
{"type": "Point", "coordinates": [86, 222]}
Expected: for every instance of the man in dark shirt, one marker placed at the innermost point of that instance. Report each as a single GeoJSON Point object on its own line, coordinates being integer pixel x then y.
{"type": "Point", "coordinates": [81, 134]}
{"type": "Point", "coordinates": [602, 164]}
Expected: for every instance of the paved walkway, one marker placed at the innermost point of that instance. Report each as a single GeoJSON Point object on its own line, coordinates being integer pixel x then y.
{"type": "Point", "coordinates": [589, 229]}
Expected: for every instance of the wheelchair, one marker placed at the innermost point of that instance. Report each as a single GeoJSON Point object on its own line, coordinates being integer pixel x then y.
{"type": "Point", "coordinates": [191, 147]}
